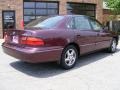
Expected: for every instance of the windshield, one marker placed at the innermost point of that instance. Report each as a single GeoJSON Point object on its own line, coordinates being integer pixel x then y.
{"type": "Point", "coordinates": [45, 22]}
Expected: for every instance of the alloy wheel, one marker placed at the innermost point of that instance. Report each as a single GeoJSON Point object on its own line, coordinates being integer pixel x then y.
{"type": "Point", "coordinates": [113, 46]}
{"type": "Point", "coordinates": [70, 57]}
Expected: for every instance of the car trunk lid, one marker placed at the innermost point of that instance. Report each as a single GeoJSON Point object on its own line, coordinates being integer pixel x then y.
{"type": "Point", "coordinates": [14, 36]}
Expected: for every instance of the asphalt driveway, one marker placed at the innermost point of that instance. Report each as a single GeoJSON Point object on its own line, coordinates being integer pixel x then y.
{"type": "Point", "coordinates": [98, 71]}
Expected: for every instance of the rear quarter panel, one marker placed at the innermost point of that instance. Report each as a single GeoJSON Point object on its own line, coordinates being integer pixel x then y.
{"type": "Point", "coordinates": [56, 38]}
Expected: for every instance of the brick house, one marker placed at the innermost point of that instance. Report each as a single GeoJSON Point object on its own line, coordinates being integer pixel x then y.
{"type": "Point", "coordinates": [15, 12]}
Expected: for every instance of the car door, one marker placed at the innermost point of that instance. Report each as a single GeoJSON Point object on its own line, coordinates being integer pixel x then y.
{"type": "Point", "coordinates": [84, 35]}
{"type": "Point", "coordinates": [103, 38]}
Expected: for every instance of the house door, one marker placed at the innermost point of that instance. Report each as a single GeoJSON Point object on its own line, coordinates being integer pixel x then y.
{"type": "Point", "coordinates": [8, 20]}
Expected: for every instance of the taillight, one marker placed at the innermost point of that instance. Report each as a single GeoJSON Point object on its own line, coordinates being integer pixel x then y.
{"type": "Point", "coordinates": [32, 41]}
{"type": "Point", "coordinates": [23, 40]}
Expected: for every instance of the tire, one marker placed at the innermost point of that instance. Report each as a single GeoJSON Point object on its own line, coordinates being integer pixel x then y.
{"type": "Point", "coordinates": [113, 46]}
{"type": "Point", "coordinates": [69, 57]}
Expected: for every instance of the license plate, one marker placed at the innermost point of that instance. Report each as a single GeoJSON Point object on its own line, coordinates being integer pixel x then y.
{"type": "Point", "coordinates": [15, 39]}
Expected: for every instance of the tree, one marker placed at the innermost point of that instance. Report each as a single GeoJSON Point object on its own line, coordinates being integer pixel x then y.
{"type": "Point", "coordinates": [114, 5]}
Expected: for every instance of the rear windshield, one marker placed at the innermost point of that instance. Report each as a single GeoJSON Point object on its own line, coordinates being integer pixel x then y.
{"type": "Point", "coordinates": [45, 22]}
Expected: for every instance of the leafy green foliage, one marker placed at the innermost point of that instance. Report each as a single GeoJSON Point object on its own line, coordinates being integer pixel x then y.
{"type": "Point", "coordinates": [113, 5]}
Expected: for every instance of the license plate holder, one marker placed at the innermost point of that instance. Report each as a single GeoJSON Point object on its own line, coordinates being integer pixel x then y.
{"type": "Point", "coordinates": [15, 39]}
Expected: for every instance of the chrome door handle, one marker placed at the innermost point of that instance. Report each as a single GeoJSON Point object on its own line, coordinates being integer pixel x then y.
{"type": "Point", "coordinates": [98, 34]}
{"type": "Point", "coordinates": [78, 35]}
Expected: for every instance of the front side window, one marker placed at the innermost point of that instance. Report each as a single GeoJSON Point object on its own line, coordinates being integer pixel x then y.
{"type": "Point", "coordinates": [82, 23]}
{"type": "Point", "coordinates": [70, 23]}
{"type": "Point", "coordinates": [96, 25]}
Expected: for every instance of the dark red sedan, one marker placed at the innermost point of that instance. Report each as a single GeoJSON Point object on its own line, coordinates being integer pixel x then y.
{"type": "Point", "coordinates": [59, 38]}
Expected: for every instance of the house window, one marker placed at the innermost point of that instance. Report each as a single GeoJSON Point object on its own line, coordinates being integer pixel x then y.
{"type": "Point", "coordinates": [81, 9]}
{"type": "Point", "coordinates": [33, 10]}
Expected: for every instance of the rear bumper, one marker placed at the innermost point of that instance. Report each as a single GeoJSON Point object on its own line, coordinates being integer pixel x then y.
{"type": "Point", "coordinates": [33, 55]}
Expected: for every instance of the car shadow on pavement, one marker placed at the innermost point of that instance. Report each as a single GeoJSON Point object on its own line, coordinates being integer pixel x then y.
{"type": "Point", "coordinates": [45, 70]}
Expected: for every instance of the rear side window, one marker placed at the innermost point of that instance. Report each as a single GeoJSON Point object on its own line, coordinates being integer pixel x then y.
{"type": "Point", "coordinates": [82, 23]}
{"type": "Point", "coordinates": [96, 25]}
{"type": "Point", "coordinates": [70, 24]}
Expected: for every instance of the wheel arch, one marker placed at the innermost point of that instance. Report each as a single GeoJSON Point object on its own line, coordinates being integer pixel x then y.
{"type": "Point", "coordinates": [75, 45]}
{"type": "Point", "coordinates": [116, 38]}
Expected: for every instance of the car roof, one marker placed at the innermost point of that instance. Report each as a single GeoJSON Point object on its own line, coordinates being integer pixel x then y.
{"type": "Point", "coordinates": [74, 16]}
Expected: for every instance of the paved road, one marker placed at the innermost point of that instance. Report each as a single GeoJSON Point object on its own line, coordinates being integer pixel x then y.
{"type": "Point", "coordinates": [98, 71]}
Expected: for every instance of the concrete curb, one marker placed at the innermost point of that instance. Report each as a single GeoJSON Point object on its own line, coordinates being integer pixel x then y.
{"type": "Point", "coordinates": [1, 41]}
